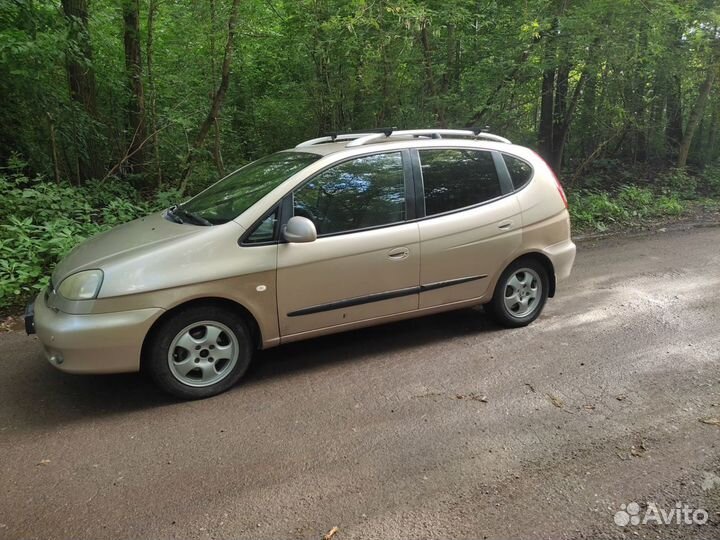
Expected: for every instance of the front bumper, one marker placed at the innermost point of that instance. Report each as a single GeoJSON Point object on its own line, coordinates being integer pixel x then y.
{"type": "Point", "coordinates": [95, 343]}
{"type": "Point", "coordinates": [30, 319]}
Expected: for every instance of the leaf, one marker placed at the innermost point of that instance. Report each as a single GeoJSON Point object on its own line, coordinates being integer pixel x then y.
{"type": "Point", "coordinates": [556, 401]}
{"type": "Point", "coordinates": [711, 421]}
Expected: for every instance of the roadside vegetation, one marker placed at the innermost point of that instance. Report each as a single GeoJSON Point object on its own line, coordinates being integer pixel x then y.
{"type": "Point", "coordinates": [621, 202]}
{"type": "Point", "coordinates": [113, 109]}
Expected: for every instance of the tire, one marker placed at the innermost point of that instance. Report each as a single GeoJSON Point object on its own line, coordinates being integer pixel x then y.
{"type": "Point", "coordinates": [199, 352]}
{"type": "Point", "coordinates": [524, 279]}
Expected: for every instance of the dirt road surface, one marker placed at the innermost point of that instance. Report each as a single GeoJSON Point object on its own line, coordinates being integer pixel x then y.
{"type": "Point", "coordinates": [441, 427]}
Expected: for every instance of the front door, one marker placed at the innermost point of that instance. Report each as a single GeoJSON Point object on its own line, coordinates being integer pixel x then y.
{"type": "Point", "coordinates": [365, 262]}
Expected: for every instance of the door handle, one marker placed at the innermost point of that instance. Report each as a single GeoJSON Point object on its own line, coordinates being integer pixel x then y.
{"type": "Point", "coordinates": [398, 254]}
{"type": "Point", "coordinates": [505, 225]}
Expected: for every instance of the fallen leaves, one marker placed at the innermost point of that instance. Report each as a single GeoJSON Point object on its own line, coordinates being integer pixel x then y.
{"type": "Point", "coordinates": [331, 533]}
{"type": "Point", "coordinates": [12, 324]}
{"type": "Point", "coordinates": [555, 401]}
{"type": "Point", "coordinates": [639, 450]}
{"type": "Point", "coordinates": [711, 421]}
{"type": "Point", "coordinates": [43, 462]}
{"type": "Point", "coordinates": [472, 396]}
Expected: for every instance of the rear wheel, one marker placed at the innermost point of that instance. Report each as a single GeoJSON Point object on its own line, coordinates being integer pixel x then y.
{"type": "Point", "coordinates": [520, 294]}
{"type": "Point", "coordinates": [199, 352]}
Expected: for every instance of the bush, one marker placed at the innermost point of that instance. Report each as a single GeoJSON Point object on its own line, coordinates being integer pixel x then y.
{"type": "Point", "coordinates": [710, 180]}
{"type": "Point", "coordinates": [678, 182]}
{"type": "Point", "coordinates": [630, 205]}
{"type": "Point", "coordinates": [41, 221]}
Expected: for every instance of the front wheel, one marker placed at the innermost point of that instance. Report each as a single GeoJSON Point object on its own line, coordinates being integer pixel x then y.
{"type": "Point", "coordinates": [199, 352]}
{"type": "Point", "coordinates": [520, 294]}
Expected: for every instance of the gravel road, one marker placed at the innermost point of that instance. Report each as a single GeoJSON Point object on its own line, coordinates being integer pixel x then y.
{"type": "Point", "coordinates": [441, 427]}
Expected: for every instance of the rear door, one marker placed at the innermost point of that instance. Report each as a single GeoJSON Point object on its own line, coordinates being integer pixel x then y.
{"type": "Point", "coordinates": [365, 262]}
{"type": "Point", "coordinates": [472, 223]}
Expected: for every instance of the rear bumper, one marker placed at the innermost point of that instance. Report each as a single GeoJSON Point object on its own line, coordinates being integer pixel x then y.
{"type": "Point", "coordinates": [562, 256]}
{"type": "Point", "coordinates": [95, 343]}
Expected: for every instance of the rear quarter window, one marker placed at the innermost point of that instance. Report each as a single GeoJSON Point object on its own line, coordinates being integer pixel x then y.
{"type": "Point", "coordinates": [520, 171]}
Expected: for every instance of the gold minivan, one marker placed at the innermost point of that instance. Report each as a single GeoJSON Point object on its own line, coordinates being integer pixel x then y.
{"type": "Point", "coordinates": [340, 232]}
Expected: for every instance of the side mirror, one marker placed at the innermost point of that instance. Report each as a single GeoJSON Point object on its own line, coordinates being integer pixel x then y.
{"type": "Point", "coordinates": [300, 230]}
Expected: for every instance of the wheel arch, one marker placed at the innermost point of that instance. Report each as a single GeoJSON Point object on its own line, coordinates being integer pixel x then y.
{"type": "Point", "coordinates": [547, 264]}
{"type": "Point", "coordinates": [238, 308]}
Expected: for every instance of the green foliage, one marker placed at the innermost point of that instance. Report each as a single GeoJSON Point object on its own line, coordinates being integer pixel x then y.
{"type": "Point", "coordinates": [679, 182]}
{"type": "Point", "coordinates": [630, 206]}
{"type": "Point", "coordinates": [41, 221]}
{"type": "Point", "coordinates": [710, 180]}
{"type": "Point", "coordinates": [302, 67]}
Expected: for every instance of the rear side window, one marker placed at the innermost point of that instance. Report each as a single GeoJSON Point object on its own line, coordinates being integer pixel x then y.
{"type": "Point", "coordinates": [457, 178]}
{"type": "Point", "coordinates": [368, 191]}
{"type": "Point", "coordinates": [520, 171]}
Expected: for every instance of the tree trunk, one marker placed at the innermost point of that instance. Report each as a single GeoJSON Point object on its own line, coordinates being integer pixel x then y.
{"type": "Point", "coordinates": [672, 83]}
{"type": "Point", "coordinates": [587, 115]}
{"type": "Point", "coordinates": [430, 89]}
{"type": "Point", "coordinates": [53, 144]}
{"type": "Point", "coordinates": [561, 130]}
{"type": "Point", "coordinates": [674, 128]}
{"type": "Point", "coordinates": [560, 122]}
{"type": "Point", "coordinates": [133, 68]}
{"type": "Point", "coordinates": [81, 79]}
{"type": "Point", "coordinates": [639, 107]}
{"type": "Point", "coordinates": [217, 144]}
{"type": "Point", "coordinates": [448, 74]}
{"type": "Point", "coordinates": [152, 8]}
{"type": "Point", "coordinates": [218, 98]}
{"type": "Point", "coordinates": [696, 115]}
{"type": "Point", "coordinates": [713, 139]}
{"type": "Point", "coordinates": [547, 94]}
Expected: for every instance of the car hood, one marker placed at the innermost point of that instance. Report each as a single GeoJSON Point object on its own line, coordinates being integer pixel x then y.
{"type": "Point", "coordinates": [125, 241]}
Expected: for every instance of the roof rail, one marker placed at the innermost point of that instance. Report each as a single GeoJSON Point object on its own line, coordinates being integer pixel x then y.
{"type": "Point", "coordinates": [359, 138]}
{"type": "Point", "coordinates": [432, 133]}
{"type": "Point", "coordinates": [347, 136]}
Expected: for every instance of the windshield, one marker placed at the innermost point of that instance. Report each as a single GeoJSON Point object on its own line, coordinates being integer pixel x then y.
{"type": "Point", "coordinates": [231, 196]}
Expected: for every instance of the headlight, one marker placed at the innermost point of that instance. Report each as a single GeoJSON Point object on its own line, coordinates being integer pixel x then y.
{"type": "Point", "coordinates": [84, 285]}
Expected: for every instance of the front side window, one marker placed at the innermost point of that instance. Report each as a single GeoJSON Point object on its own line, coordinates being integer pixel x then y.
{"type": "Point", "coordinates": [264, 231]}
{"type": "Point", "coordinates": [368, 191]}
{"type": "Point", "coordinates": [457, 178]}
{"type": "Point", "coordinates": [231, 196]}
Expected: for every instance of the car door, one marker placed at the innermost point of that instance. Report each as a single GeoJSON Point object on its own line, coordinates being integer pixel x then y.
{"type": "Point", "coordinates": [365, 262]}
{"type": "Point", "coordinates": [472, 224]}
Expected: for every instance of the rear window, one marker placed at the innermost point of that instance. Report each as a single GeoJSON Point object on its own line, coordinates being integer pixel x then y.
{"type": "Point", "coordinates": [457, 178]}
{"type": "Point", "coordinates": [520, 171]}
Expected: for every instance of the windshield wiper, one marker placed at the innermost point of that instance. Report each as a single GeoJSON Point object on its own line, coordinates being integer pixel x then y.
{"type": "Point", "coordinates": [180, 215]}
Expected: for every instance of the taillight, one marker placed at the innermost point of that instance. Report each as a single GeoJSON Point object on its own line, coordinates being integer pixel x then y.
{"type": "Point", "coordinates": [560, 189]}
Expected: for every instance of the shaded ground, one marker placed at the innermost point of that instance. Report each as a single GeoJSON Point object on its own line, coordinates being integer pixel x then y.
{"type": "Point", "coordinates": [441, 427]}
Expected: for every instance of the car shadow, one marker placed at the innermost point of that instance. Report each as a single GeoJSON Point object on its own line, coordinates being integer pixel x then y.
{"type": "Point", "coordinates": [376, 341]}
{"type": "Point", "coordinates": [37, 395]}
